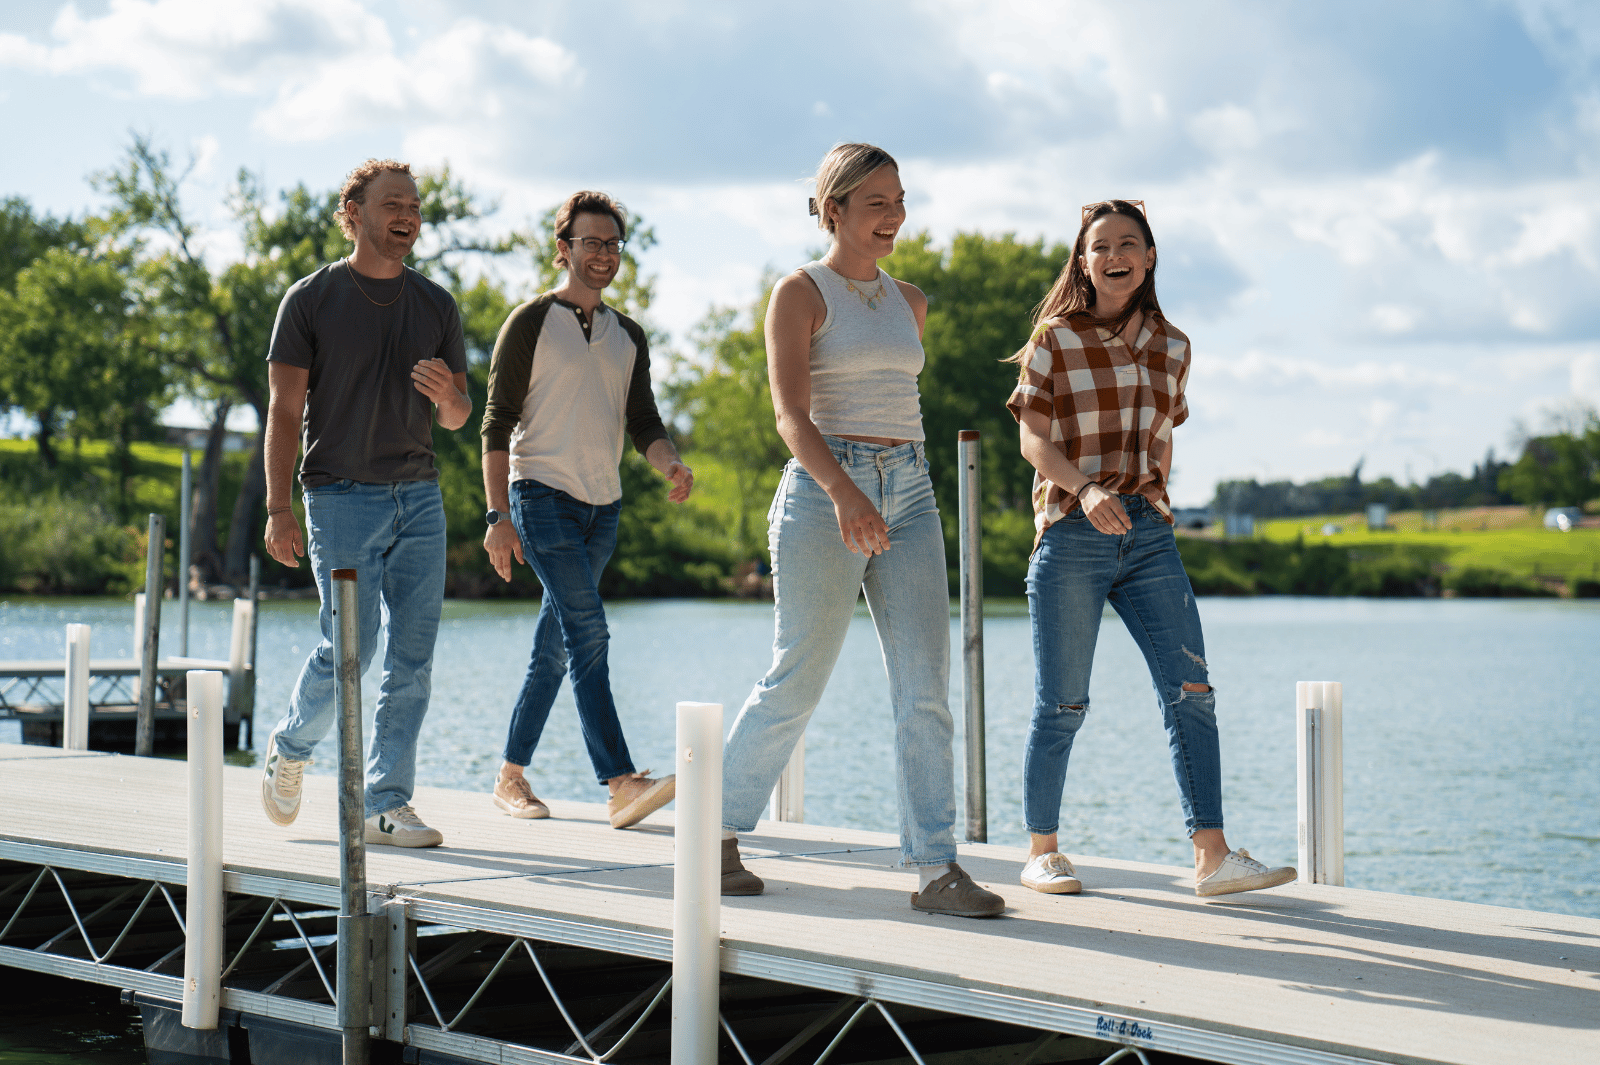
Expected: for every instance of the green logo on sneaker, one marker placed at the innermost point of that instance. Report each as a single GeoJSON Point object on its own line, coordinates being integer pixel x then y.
{"type": "Point", "coordinates": [385, 825]}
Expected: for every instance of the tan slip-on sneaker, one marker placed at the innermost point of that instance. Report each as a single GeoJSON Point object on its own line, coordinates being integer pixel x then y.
{"type": "Point", "coordinates": [517, 799]}
{"type": "Point", "coordinates": [637, 797]}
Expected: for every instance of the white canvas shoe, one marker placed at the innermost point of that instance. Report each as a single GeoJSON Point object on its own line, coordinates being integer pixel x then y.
{"type": "Point", "coordinates": [401, 827]}
{"type": "Point", "coordinates": [1240, 872]}
{"type": "Point", "coordinates": [1052, 874]}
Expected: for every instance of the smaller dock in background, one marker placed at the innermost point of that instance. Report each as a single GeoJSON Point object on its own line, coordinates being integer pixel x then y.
{"type": "Point", "coordinates": [517, 937]}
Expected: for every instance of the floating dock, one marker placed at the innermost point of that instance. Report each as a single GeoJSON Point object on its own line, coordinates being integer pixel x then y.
{"type": "Point", "coordinates": [518, 937]}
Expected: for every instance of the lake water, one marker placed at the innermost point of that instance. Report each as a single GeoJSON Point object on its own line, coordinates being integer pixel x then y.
{"type": "Point", "coordinates": [1471, 732]}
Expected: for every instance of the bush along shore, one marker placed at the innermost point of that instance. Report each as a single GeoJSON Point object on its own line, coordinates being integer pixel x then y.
{"type": "Point", "coordinates": [80, 530]}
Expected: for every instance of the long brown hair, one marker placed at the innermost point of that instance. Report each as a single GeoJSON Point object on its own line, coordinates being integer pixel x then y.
{"type": "Point", "coordinates": [1073, 292]}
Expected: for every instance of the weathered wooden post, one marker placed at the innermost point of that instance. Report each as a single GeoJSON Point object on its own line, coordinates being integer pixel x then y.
{"type": "Point", "coordinates": [355, 934]}
{"type": "Point", "coordinates": [696, 885]}
{"type": "Point", "coordinates": [203, 910]}
{"type": "Point", "coordinates": [144, 736]}
{"type": "Point", "coordinates": [970, 506]}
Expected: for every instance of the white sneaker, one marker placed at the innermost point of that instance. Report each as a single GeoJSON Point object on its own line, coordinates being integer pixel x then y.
{"type": "Point", "coordinates": [1240, 872]}
{"type": "Point", "coordinates": [280, 785]}
{"type": "Point", "coordinates": [401, 827]}
{"type": "Point", "coordinates": [1052, 874]}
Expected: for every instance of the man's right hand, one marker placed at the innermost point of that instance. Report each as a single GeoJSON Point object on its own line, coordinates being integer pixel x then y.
{"type": "Point", "coordinates": [284, 540]}
{"type": "Point", "coordinates": [502, 542]}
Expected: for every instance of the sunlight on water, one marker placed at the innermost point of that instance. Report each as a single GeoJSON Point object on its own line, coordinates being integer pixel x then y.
{"type": "Point", "coordinates": [1470, 732]}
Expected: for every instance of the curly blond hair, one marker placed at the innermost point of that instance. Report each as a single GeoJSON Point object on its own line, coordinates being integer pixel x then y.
{"type": "Point", "coordinates": [355, 188]}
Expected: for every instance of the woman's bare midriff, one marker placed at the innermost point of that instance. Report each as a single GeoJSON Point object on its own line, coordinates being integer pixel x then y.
{"type": "Point", "coordinates": [883, 441]}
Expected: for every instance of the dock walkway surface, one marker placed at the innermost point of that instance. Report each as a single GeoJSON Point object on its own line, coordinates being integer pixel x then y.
{"type": "Point", "coordinates": [1304, 973]}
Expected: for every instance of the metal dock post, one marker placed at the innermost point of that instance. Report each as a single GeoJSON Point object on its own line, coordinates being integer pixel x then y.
{"type": "Point", "coordinates": [1319, 761]}
{"type": "Point", "coordinates": [184, 521]}
{"type": "Point", "coordinates": [971, 508]}
{"type": "Point", "coordinates": [355, 934]}
{"type": "Point", "coordinates": [697, 885]}
{"type": "Point", "coordinates": [144, 741]}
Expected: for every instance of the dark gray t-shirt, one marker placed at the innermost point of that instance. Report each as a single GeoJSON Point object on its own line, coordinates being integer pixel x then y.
{"type": "Point", "coordinates": [365, 419]}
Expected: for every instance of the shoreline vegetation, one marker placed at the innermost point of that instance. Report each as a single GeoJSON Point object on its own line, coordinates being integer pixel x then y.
{"type": "Point", "coordinates": [60, 535]}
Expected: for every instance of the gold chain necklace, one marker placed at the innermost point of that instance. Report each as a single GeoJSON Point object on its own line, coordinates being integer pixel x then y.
{"type": "Point", "coordinates": [363, 291]}
{"type": "Point", "coordinates": [869, 298]}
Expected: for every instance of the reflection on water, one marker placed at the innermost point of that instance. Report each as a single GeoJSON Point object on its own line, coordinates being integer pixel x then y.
{"type": "Point", "coordinates": [1470, 732]}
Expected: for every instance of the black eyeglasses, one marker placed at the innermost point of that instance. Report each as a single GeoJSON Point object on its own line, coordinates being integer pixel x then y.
{"type": "Point", "coordinates": [594, 245]}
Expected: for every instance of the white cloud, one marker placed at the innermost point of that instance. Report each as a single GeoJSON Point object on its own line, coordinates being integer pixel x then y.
{"type": "Point", "coordinates": [188, 49]}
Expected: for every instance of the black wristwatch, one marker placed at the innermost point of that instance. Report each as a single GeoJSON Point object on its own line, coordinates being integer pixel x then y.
{"type": "Point", "coordinates": [495, 517]}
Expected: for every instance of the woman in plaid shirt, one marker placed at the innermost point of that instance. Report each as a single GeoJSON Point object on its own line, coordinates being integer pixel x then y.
{"type": "Point", "coordinates": [1099, 392]}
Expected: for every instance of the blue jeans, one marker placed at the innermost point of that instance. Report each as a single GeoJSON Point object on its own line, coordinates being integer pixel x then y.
{"type": "Point", "coordinates": [392, 535]}
{"type": "Point", "coordinates": [815, 583]}
{"type": "Point", "coordinates": [1074, 571]}
{"type": "Point", "coordinates": [568, 542]}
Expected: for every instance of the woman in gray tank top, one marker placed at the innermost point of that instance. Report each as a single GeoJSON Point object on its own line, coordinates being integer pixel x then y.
{"type": "Point", "coordinates": [854, 512]}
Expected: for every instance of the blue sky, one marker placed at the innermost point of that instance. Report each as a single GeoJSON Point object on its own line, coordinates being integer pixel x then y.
{"type": "Point", "coordinates": [1379, 222]}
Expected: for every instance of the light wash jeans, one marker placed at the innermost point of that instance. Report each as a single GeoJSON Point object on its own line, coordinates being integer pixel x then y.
{"type": "Point", "coordinates": [568, 542]}
{"type": "Point", "coordinates": [392, 535]}
{"type": "Point", "coordinates": [815, 581]}
{"type": "Point", "coordinates": [1074, 571]}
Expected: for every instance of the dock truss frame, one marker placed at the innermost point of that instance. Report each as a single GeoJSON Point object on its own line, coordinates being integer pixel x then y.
{"type": "Point", "coordinates": [98, 925]}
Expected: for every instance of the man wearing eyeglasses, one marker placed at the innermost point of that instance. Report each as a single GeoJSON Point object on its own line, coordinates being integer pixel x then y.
{"type": "Point", "coordinates": [568, 379]}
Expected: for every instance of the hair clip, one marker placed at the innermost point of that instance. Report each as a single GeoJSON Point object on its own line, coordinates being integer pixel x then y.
{"type": "Point", "coordinates": [1089, 208]}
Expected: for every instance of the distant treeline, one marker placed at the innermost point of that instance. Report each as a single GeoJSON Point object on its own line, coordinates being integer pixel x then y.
{"type": "Point", "coordinates": [1559, 469]}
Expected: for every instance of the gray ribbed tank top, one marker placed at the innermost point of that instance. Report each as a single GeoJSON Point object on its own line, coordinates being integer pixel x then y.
{"type": "Point", "coordinates": [865, 359]}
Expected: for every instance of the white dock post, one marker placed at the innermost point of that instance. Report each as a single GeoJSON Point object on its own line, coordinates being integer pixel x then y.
{"type": "Point", "coordinates": [789, 794]}
{"type": "Point", "coordinates": [75, 699]}
{"type": "Point", "coordinates": [697, 885]}
{"type": "Point", "coordinates": [1319, 764]}
{"type": "Point", "coordinates": [202, 923]}
{"type": "Point", "coordinates": [238, 654]}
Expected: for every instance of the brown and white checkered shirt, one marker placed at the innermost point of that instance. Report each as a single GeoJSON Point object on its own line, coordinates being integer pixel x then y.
{"type": "Point", "coordinates": [1111, 409]}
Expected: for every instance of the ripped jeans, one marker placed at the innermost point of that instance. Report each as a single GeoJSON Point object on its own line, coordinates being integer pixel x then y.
{"type": "Point", "coordinates": [1075, 570]}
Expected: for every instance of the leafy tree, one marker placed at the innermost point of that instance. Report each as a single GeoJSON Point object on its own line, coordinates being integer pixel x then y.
{"type": "Point", "coordinates": [77, 352]}
{"type": "Point", "coordinates": [727, 398]}
{"type": "Point", "coordinates": [981, 294]}
{"type": "Point", "coordinates": [1559, 470]}
{"type": "Point", "coordinates": [24, 237]}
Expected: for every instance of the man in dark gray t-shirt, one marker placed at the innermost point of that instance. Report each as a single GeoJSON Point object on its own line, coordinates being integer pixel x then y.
{"type": "Point", "coordinates": [365, 354]}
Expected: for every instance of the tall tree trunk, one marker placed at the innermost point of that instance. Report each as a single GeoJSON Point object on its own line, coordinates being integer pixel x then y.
{"type": "Point", "coordinates": [244, 529]}
{"type": "Point", "coordinates": [46, 427]}
{"type": "Point", "coordinates": [204, 553]}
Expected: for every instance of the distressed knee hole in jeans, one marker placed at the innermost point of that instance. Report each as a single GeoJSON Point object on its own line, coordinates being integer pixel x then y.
{"type": "Point", "coordinates": [1063, 708]}
{"type": "Point", "coordinates": [1193, 689]}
